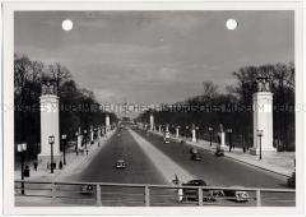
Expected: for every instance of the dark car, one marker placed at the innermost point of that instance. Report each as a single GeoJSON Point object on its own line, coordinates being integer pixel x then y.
{"type": "Point", "coordinates": [219, 153]}
{"type": "Point", "coordinates": [87, 189]}
{"type": "Point", "coordinates": [237, 195]}
{"type": "Point", "coordinates": [193, 194]}
{"type": "Point", "coordinates": [196, 157]}
{"type": "Point", "coordinates": [121, 164]}
{"type": "Point", "coordinates": [291, 181]}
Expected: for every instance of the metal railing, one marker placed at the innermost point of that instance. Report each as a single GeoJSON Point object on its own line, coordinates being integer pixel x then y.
{"type": "Point", "coordinates": [110, 194]}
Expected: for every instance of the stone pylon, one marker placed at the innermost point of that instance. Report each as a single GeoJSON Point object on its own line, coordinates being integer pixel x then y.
{"type": "Point", "coordinates": [107, 122]}
{"type": "Point", "coordinates": [49, 126]}
{"type": "Point", "coordinates": [151, 122]}
{"type": "Point", "coordinates": [263, 118]}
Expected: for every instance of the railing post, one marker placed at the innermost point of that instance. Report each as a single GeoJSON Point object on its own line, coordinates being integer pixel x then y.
{"type": "Point", "coordinates": [53, 192]}
{"type": "Point", "coordinates": [147, 195]}
{"type": "Point", "coordinates": [98, 191]}
{"type": "Point", "coordinates": [258, 197]}
{"type": "Point", "coordinates": [200, 196]}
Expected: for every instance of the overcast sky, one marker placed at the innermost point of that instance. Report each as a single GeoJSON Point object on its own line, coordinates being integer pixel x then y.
{"type": "Point", "coordinates": [153, 57]}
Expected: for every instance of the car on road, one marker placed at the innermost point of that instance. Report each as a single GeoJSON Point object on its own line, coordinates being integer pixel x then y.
{"type": "Point", "coordinates": [196, 157]}
{"type": "Point", "coordinates": [120, 164]}
{"type": "Point", "coordinates": [291, 180]}
{"type": "Point", "coordinates": [167, 137]}
{"type": "Point", "coordinates": [219, 153]}
{"type": "Point", "coordinates": [191, 194]}
{"type": "Point", "coordinates": [237, 195]}
{"type": "Point", "coordinates": [87, 189]}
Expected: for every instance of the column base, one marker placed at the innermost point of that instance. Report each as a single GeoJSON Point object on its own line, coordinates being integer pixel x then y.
{"type": "Point", "coordinates": [44, 160]}
{"type": "Point", "coordinates": [255, 151]}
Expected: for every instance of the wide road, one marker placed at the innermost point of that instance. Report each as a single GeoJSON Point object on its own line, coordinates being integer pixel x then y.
{"type": "Point", "coordinates": [141, 170]}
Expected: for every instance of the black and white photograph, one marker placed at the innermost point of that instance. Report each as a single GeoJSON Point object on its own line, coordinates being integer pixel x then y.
{"type": "Point", "coordinates": [154, 108]}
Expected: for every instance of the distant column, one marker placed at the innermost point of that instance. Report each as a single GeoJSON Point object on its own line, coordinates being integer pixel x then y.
{"type": "Point", "coordinates": [177, 135]}
{"type": "Point", "coordinates": [221, 135]}
{"type": "Point", "coordinates": [151, 122]}
{"type": "Point", "coordinates": [263, 116]}
{"type": "Point", "coordinates": [91, 134]}
{"type": "Point", "coordinates": [193, 133]}
{"type": "Point", "coordinates": [107, 122]}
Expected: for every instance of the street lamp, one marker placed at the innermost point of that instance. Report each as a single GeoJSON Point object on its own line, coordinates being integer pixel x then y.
{"type": "Point", "coordinates": [64, 141]}
{"type": "Point", "coordinates": [230, 131]}
{"type": "Point", "coordinates": [210, 129]}
{"type": "Point", "coordinates": [85, 138]}
{"type": "Point", "coordinates": [260, 135]}
{"type": "Point", "coordinates": [51, 140]}
{"type": "Point", "coordinates": [21, 148]}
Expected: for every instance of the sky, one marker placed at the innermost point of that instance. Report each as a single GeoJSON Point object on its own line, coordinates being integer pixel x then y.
{"type": "Point", "coordinates": [154, 56]}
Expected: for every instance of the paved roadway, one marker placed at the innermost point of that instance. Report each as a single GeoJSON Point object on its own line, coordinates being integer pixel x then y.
{"type": "Point", "coordinates": [215, 171]}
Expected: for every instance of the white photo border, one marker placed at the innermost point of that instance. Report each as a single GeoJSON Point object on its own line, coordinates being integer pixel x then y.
{"type": "Point", "coordinates": [8, 9]}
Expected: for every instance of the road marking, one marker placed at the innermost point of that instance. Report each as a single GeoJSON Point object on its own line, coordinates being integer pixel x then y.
{"type": "Point", "coordinates": [168, 168]}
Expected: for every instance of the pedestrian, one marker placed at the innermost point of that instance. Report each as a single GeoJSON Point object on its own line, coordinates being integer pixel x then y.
{"type": "Point", "coordinates": [48, 165]}
{"type": "Point", "coordinates": [178, 183]}
{"type": "Point", "coordinates": [35, 164]}
{"type": "Point", "coordinates": [87, 152]}
{"type": "Point", "coordinates": [60, 165]}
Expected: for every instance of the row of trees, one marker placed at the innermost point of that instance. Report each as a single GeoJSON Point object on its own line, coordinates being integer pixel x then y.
{"type": "Point", "coordinates": [78, 106]}
{"type": "Point", "coordinates": [233, 108]}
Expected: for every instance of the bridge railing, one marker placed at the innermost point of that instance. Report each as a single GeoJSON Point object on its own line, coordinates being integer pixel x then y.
{"type": "Point", "coordinates": [119, 194]}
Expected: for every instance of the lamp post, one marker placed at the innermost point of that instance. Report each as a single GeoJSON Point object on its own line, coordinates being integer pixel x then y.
{"type": "Point", "coordinates": [85, 138]}
{"type": "Point", "coordinates": [21, 148]}
{"type": "Point", "coordinates": [210, 129]}
{"type": "Point", "coordinates": [260, 134]}
{"type": "Point", "coordinates": [51, 140]}
{"type": "Point", "coordinates": [64, 141]}
{"type": "Point", "coordinates": [230, 131]}
{"type": "Point", "coordinates": [76, 144]}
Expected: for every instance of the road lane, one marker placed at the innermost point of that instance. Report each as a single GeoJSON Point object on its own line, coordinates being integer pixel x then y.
{"type": "Point", "coordinates": [121, 146]}
{"type": "Point", "coordinates": [216, 171]}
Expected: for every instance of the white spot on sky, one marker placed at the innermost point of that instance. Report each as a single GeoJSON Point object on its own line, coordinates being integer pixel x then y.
{"type": "Point", "coordinates": [231, 24]}
{"type": "Point", "coordinates": [67, 25]}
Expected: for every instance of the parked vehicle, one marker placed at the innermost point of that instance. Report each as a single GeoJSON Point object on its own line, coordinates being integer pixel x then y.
{"type": "Point", "coordinates": [87, 189]}
{"type": "Point", "coordinates": [121, 164]}
{"type": "Point", "coordinates": [193, 194]}
{"type": "Point", "coordinates": [219, 153]}
{"type": "Point", "coordinates": [167, 137]}
{"type": "Point", "coordinates": [291, 180]}
{"type": "Point", "coordinates": [196, 157]}
{"type": "Point", "coordinates": [237, 195]}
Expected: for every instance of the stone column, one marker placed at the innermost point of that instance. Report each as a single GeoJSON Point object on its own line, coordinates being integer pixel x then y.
{"type": "Point", "coordinates": [151, 122]}
{"type": "Point", "coordinates": [91, 134]}
{"type": "Point", "coordinates": [107, 123]}
{"type": "Point", "coordinates": [193, 133]}
{"type": "Point", "coordinates": [177, 135]}
{"type": "Point", "coordinates": [222, 140]}
{"type": "Point", "coordinates": [263, 120]}
{"type": "Point", "coordinates": [49, 126]}
{"type": "Point", "coordinates": [221, 135]}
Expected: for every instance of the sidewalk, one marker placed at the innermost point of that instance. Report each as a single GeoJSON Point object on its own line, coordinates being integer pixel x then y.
{"type": "Point", "coordinates": [281, 163]}
{"type": "Point", "coordinates": [74, 163]}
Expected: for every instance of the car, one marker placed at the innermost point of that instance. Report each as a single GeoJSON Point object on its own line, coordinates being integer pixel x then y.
{"type": "Point", "coordinates": [167, 137]}
{"type": "Point", "coordinates": [121, 164]}
{"type": "Point", "coordinates": [291, 180]}
{"type": "Point", "coordinates": [87, 189]}
{"type": "Point", "coordinates": [196, 157]}
{"type": "Point", "coordinates": [237, 195]}
{"type": "Point", "coordinates": [192, 194]}
{"type": "Point", "coordinates": [219, 153]}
